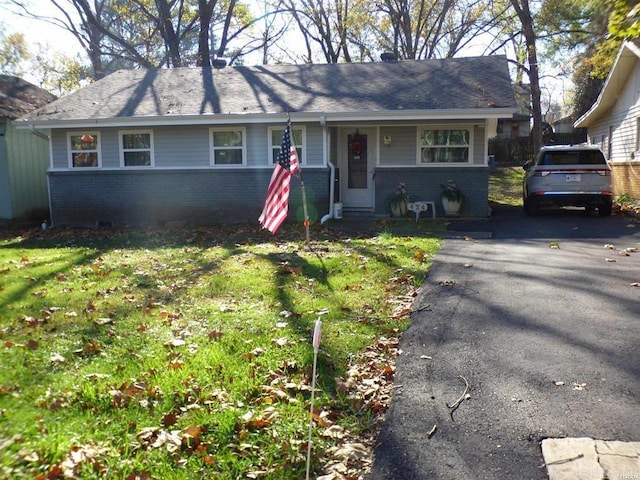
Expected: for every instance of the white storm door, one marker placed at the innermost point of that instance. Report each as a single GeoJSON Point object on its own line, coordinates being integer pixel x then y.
{"type": "Point", "coordinates": [358, 164]}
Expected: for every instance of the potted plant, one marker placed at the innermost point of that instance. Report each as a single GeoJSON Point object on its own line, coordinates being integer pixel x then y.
{"type": "Point", "coordinates": [451, 197]}
{"type": "Point", "coordinates": [398, 201]}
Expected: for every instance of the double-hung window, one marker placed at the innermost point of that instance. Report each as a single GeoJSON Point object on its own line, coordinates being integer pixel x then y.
{"type": "Point", "coordinates": [84, 149]}
{"type": "Point", "coordinates": [228, 146]}
{"type": "Point", "coordinates": [136, 148]}
{"type": "Point", "coordinates": [298, 139]}
{"type": "Point", "coordinates": [445, 145]}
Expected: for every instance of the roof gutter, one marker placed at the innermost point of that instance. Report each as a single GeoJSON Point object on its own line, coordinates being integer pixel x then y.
{"type": "Point", "coordinates": [239, 119]}
{"type": "Point", "coordinates": [37, 133]}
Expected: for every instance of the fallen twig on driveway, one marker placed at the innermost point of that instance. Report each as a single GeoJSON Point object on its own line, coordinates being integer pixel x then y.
{"type": "Point", "coordinates": [465, 395]}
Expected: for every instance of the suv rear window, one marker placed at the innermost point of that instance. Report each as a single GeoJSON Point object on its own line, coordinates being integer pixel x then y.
{"type": "Point", "coordinates": [579, 157]}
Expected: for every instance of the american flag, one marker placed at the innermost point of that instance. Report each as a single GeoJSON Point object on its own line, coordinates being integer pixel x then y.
{"type": "Point", "coordinates": [276, 206]}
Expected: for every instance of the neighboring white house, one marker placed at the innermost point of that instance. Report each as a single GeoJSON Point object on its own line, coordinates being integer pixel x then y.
{"type": "Point", "coordinates": [613, 122]}
{"type": "Point", "coordinates": [198, 145]}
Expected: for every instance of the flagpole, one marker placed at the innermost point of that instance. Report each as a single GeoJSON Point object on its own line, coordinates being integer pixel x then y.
{"type": "Point", "coordinates": [304, 193]}
{"type": "Point", "coordinates": [304, 207]}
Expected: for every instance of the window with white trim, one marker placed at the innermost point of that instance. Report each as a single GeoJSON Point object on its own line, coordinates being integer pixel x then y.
{"type": "Point", "coordinates": [444, 145]}
{"type": "Point", "coordinates": [298, 139]}
{"type": "Point", "coordinates": [84, 149]}
{"type": "Point", "coordinates": [136, 148]}
{"type": "Point", "coordinates": [227, 146]}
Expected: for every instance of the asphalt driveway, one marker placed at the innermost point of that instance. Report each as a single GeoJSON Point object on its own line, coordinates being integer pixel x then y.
{"type": "Point", "coordinates": [539, 323]}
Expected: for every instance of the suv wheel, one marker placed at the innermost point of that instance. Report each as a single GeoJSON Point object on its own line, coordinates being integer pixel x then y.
{"type": "Point", "coordinates": [605, 209]}
{"type": "Point", "coordinates": [529, 207]}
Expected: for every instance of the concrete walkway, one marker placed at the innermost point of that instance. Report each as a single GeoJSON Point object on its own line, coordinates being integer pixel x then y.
{"type": "Point", "coordinates": [588, 459]}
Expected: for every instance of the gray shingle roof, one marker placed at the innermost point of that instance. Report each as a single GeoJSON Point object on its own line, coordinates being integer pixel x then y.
{"type": "Point", "coordinates": [459, 83]}
{"type": "Point", "coordinates": [18, 97]}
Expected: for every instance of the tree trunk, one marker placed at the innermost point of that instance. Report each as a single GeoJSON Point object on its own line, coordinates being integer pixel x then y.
{"type": "Point", "coordinates": [524, 14]}
{"type": "Point", "coordinates": [205, 11]}
{"type": "Point", "coordinates": [169, 35]}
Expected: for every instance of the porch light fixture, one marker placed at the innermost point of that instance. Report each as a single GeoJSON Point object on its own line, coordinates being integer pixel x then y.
{"type": "Point", "coordinates": [387, 141]}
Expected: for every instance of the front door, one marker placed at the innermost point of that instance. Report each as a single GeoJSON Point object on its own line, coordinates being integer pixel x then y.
{"type": "Point", "coordinates": [357, 167]}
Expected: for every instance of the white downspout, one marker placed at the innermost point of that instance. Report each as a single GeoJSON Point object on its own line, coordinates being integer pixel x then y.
{"type": "Point", "coordinates": [332, 180]}
{"type": "Point", "coordinates": [46, 137]}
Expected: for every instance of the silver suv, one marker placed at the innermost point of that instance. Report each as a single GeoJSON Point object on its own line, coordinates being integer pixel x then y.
{"type": "Point", "coordinates": [568, 175]}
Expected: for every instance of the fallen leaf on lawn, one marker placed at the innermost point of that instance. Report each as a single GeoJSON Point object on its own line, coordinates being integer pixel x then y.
{"type": "Point", "coordinates": [609, 246]}
{"type": "Point", "coordinates": [554, 245]}
{"type": "Point", "coordinates": [215, 335]}
{"type": "Point", "coordinates": [103, 321]}
{"type": "Point", "coordinates": [343, 387]}
{"type": "Point", "coordinates": [281, 324]}
{"type": "Point", "coordinates": [610, 259]}
{"type": "Point", "coordinates": [623, 253]}
{"type": "Point", "coordinates": [70, 314]}
{"type": "Point", "coordinates": [426, 357]}
{"type": "Point", "coordinates": [334, 431]}
{"type": "Point", "coordinates": [33, 344]}
{"type": "Point", "coordinates": [401, 311]}
{"type": "Point", "coordinates": [170, 419]}
{"type": "Point", "coordinates": [90, 348]}
{"type": "Point", "coordinates": [256, 474]}
{"type": "Point", "coordinates": [176, 342]}
{"type": "Point", "coordinates": [579, 386]}
{"type": "Point", "coordinates": [57, 358]}
{"type": "Point", "coordinates": [175, 365]}
{"type": "Point", "coordinates": [632, 249]}
{"type": "Point", "coordinates": [281, 342]}
{"type": "Point", "coordinates": [276, 393]}
{"type": "Point", "coordinates": [558, 384]}
{"type": "Point", "coordinates": [256, 352]}
{"type": "Point", "coordinates": [351, 451]}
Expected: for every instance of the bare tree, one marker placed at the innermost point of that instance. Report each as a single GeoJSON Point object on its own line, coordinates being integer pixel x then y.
{"type": "Point", "coordinates": [417, 29]}
{"type": "Point", "coordinates": [325, 24]}
{"type": "Point", "coordinates": [523, 11]}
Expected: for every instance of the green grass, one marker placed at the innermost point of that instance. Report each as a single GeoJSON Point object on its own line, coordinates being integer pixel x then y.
{"type": "Point", "coordinates": [505, 186]}
{"type": "Point", "coordinates": [168, 355]}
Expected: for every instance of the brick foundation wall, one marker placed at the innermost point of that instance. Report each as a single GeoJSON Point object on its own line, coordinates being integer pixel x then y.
{"type": "Point", "coordinates": [423, 184]}
{"type": "Point", "coordinates": [190, 196]}
{"type": "Point", "coordinates": [626, 179]}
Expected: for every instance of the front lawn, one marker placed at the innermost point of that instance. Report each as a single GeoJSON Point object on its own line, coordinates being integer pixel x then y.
{"type": "Point", "coordinates": [505, 186]}
{"type": "Point", "coordinates": [132, 354]}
